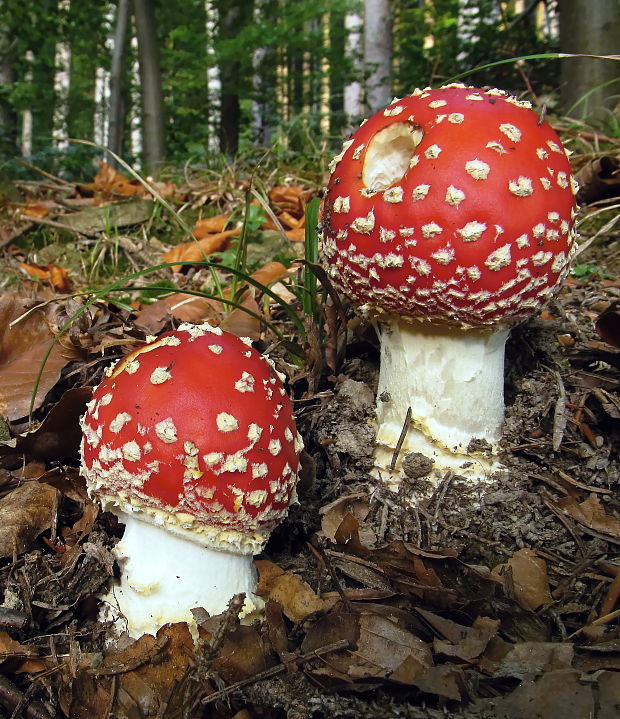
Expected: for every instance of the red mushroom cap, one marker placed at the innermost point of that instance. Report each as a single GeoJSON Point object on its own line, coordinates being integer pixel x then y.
{"type": "Point", "coordinates": [455, 204]}
{"type": "Point", "coordinates": [196, 431]}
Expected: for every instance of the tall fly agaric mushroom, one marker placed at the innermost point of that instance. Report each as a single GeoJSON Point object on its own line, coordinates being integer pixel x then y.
{"type": "Point", "coordinates": [448, 218]}
{"type": "Point", "coordinates": [191, 442]}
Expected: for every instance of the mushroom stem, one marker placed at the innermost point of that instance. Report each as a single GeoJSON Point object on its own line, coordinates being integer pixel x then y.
{"type": "Point", "coordinates": [164, 576]}
{"type": "Point", "coordinates": [453, 381]}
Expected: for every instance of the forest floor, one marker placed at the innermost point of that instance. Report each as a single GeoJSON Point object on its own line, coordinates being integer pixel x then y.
{"type": "Point", "coordinates": [488, 601]}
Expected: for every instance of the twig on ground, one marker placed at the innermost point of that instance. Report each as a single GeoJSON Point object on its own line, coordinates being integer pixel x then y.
{"type": "Point", "coordinates": [278, 669]}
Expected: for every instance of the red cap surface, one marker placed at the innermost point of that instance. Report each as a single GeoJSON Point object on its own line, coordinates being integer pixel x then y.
{"type": "Point", "coordinates": [195, 430]}
{"type": "Point", "coordinates": [455, 205]}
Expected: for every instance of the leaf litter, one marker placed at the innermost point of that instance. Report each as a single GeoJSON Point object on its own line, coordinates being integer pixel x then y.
{"type": "Point", "coordinates": [496, 603]}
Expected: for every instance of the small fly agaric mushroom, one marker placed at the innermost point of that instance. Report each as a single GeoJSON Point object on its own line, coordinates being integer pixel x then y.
{"type": "Point", "coordinates": [448, 218]}
{"type": "Point", "coordinates": [190, 440]}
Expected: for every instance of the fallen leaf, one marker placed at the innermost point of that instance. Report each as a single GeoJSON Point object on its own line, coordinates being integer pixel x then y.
{"type": "Point", "coordinates": [269, 273]}
{"type": "Point", "coordinates": [590, 514]}
{"type": "Point", "coordinates": [109, 180]}
{"type": "Point", "coordinates": [22, 350]}
{"type": "Point", "coordinates": [195, 250]}
{"type": "Point", "coordinates": [24, 513]}
{"type": "Point", "coordinates": [528, 579]}
{"type": "Point", "coordinates": [295, 596]}
{"type": "Point", "coordinates": [181, 306]}
{"type": "Point", "coordinates": [53, 275]}
{"type": "Point", "coordinates": [242, 324]}
{"type": "Point", "coordinates": [607, 324]}
{"type": "Point", "coordinates": [555, 694]}
{"type": "Point", "coordinates": [33, 210]}
{"type": "Point", "coordinates": [58, 436]}
{"type": "Point", "coordinates": [207, 225]}
{"type": "Point", "coordinates": [531, 659]}
{"type": "Point", "coordinates": [380, 649]}
{"type": "Point", "coordinates": [142, 676]}
{"type": "Point", "coordinates": [472, 641]}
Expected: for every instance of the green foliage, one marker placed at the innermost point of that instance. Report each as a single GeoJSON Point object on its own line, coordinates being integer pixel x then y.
{"type": "Point", "coordinates": [435, 41]}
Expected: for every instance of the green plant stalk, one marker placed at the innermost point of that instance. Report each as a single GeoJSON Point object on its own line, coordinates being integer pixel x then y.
{"type": "Point", "coordinates": [242, 247]}
{"type": "Point", "coordinates": [311, 249]}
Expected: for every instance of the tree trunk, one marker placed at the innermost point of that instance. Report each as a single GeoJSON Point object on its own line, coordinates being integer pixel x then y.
{"type": "Point", "coordinates": [377, 53]}
{"type": "Point", "coordinates": [151, 90]}
{"type": "Point", "coordinates": [8, 116]}
{"type": "Point", "coordinates": [118, 90]}
{"type": "Point", "coordinates": [590, 28]}
{"type": "Point", "coordinates": [353, 90]}
{"type": "Point", "coordinates": [231, 18]}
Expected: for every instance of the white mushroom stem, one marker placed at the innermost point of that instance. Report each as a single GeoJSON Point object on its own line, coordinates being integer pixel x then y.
{"type": "Point", "coordinates": [453, 381]}
{"type": "Point", "coordinates": [164, 576]}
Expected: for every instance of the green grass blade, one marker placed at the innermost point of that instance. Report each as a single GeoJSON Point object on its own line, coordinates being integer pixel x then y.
{"type": "Point", "coordinates": [311, 257]}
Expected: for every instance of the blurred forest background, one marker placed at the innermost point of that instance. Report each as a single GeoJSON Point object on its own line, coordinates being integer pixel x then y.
{"type": "Point", "coordinates": [177, 83]}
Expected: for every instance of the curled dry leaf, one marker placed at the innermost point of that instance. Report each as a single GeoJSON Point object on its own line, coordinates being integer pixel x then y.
{"type": "Point", "coordinates": [22, 350]}
{"type": "Point", "coordinates": [58, 436]}
{"type": "Point", "coordinates": [607, 325]}
{"type": "Point", "coordinates": [24, 513]}
{"type": "Point", "coordinates": [208, 225]}
{"type": "Point", "coordinates": [381, 649]}
{"type": "Point", "coordinates": [295, 596]}
{"type": "Point", "coordinates": [195, 250]}
{"type": "Point", "coordinates": [138, 680]}
{"type": "Point", "coordinates": [53, 275]}
{"type": "Point", "coordinates": [181, 306]}
{"type": "Point", "coordinates": [528, 581]}
{"type": "Point", "coordinates": [590, 514]}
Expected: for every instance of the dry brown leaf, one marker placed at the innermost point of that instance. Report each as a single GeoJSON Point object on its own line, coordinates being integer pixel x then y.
{"type": "Point", "coordinates": [528, 579]}
{"type": "Point", "coordinates": [334, 512]}
{"type": "Point", "coordinates": [380, 649]}
{"type": "Point", "coordinates": [295, 596]}
{"type": "Point", "coordinates": [243, 654]}
{"type": "Point", "coordinates": [209, 225]}
{"type": "Point", "coordinates": [53, 275]}
{"type": "Point", "coordinates": [555, 694]}
{"type": "Point", "coordinates": [181, 306]}
{"type": "Point", "coordinates": [607, 324]}
{"type": "Point", "coordinates": [33, 210]}
{"type": "Point", "coordinates": [288, 198]}
{"type": "Point", "coordinates": [296, 235]}
{"type": "Point", "coordinates": [288, 221]}
{"type": "Point", "coordinates": [591, 514]}
{"type": "Point", "coordinates": [269, 273]}
{"type": "Point", "coordinates": [472, 642]}
{"type": "Point", "coordinates": [241, 323]}
{"type": "Point", "coordinates": [197, 250]}
{"type": "Point", "coordinates": [109, 181]}
{"type": "Point", "coordinates": [58, 436]}
{"type": "Point", "coordinates": [24, 513]}
{"type": "Point", "coordinates": [22, 349]}
{"type": "Point", "coordinates": [142, 676]}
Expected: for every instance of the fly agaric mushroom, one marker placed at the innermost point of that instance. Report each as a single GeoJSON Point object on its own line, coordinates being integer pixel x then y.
{"type": "Point", "coordinates": [191, 442]}
{"type": "Point", "coordinates": [448, 218]}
